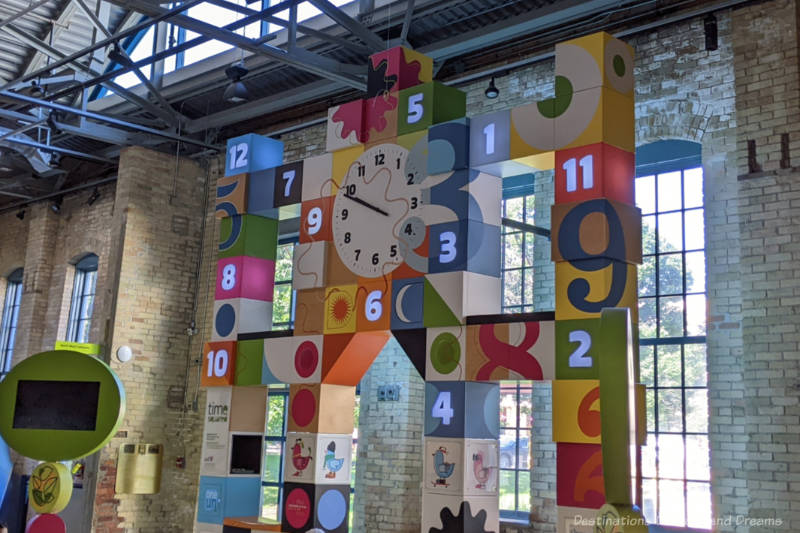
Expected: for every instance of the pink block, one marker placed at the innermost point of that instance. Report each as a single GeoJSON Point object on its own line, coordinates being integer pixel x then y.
{"type": "Point", "coordinates": [245, 277]}
{"type": "Point", "coordinates": [46, 523]}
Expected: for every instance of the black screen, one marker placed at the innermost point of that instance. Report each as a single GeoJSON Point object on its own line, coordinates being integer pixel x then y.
{"type": "Point", "coordinates": [246, 454]}
{"type": "Point", "coordinates": [64, 405]}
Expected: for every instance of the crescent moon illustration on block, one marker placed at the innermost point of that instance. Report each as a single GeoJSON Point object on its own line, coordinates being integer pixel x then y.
{"type": "Point", "coordinates": [398, 304]}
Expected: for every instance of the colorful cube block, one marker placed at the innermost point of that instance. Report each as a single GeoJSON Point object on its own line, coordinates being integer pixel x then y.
{"type": "Point", "coordinates": [288, 184]}
{"type": "Point", "coordinates": [231, 196]}
{"type": "Point", "coordinates": [449, 297]}
{"type": "Point", "coordinates": [407, 308]}
{"type": "Point", "coordinates": [323, 507]}
{"type": "Point", "coordinates": [396, 69]}
{"type": "Point", "coordinates": [308, 265]}
{"type": "Point", "coordinates": [296, 359]}
{"type": "Point", "coordinates": [591, 171]}
{"type": "Point", "coordinates": [490, 145]}
{"type": "Point", "coordinates": [240, 315]}
{"type": "Point", "coordinates": [318, 180]}
{"type": "Point", "coordinates": [462, 194]}
{"type": "Point", "coordinates": [321, 408]}
{"type": "Point", "coordinates": [347, 357]}
{"type": "Point", "coordinates": [249, 235]}
{"type": "Point", "coordinates": [427, 104]}
{"type": "Point", "coordinates": [380, 118]}
{"type": "Point", "coordinates": [448, 146]}
{"type": "Point", "coordinates": [448, 402]}
{"type": "Point", "coordinates": [577, 349]}
{"type": "Point", "coordinates": [318, 458]}
{"type": "Point", "coordinates": [345, 125]}
{"type": "Point", "coordinates": [245, 277]}
{"type": "Point", "coordinates": [583, 289]}
{"type": "Point", "coordinates": [576, 411]}
{"type": "Point", "coordinates": [510, 351]}
{"type": "Point", "coordinates": [465, 245]}
{"type": "Point", "coordinates": [456, 513]}
{"type": "Point", "coordinates": [219, 364]}
{"type": "Point", "coordinates": [596, 60]}
{"type": "Point", "coordinates": [251, 152]}
{"type": "Point", "coordinates": [579, 475]}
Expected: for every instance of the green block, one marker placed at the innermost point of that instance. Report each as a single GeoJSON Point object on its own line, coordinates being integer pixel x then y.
{"type": "Point", "coordinates": [249, 362]}
{"type": "Point", "coordinates": [436, 311]}
{"type": "Point", "coordinates": [617, 417]}
{"type": "Point", "coordinates": [248, 235]}
{"type": "Point", "coordinates": [577, 349]}
{"type": "Point", "coordinates": [424, 105]}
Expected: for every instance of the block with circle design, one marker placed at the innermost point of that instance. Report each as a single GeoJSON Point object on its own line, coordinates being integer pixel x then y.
{"type": "Point", "coordinates": [596, 115]}
{"type": "Point", "coordinates": [465, 245]}
{"type": "Point", "coordinates": [510, 351]}
{"type": "Point", "coordinates": [426, 104]}
{"type": "Point", "coordinates": [592, 171]}
{"type": "Point", "coordinates": [462, 194]}
{"type": "Point", "coordinates": [240, 315]}
{"type": "Point", "coordinates": [472, 514]}
{"type": "Point", "coordinates": [406, 307]}
{"type": "Point", "coordinates": [577, 350]}
{"type": "Point", "coordinates": [596, 229]}
{"type": "Point", "coordinates": [380, 118]}
{"type": "Point", "coordinates": [251, 152]}
{"type": "Point", "coordinates": [321, 408]}
{"type": "Point", "coordinates": [231, 195]}
{"type": "Point", "coordinates": [373, 304]}
{"type": "Point", "coordinates": [249, 235]}
{"type": "Point", "coordinates": [288, 184]}
{"type": "Point", "coordinates": [596, 60]}
{"type": "Point", "coordinates": [461, 466]}
{"type": "Point", "coordinates": [446, 354]}
{"type": "Point", "coordinates": [449, 297]}
{"type": "Point", "coordinates": [576, 411]}
{"type": "Point", "coordinates": [315, 220]}
{"type": "Point", "coordinates": [318, 177]}
{"type": "Point", "coordinates": [295, 359]}
{"type": "Point", "coordinates": [250, 365]}
{"type": "Point", "coordinates": [448, 146]}
{"type": "Point", "coordinates": [348, 356]}
{"type": "Point", "coordinates": [308, 265]}
{"type": "Point", "coordinates": [579, 475]}
{"type": "Point", "coordinates": [448, 402]}
{"type": "Point", "coordinates": [245, 277]}
{"type": "Point", "coordinates": [584, 288]}
{"type": "Point", "coordinates": [490, 145]}
{"type": "Point", "coordinates": [309, 311]}
{"type": "Point", "coordinates": [219, 364]}
{"type": "Point", "coordinates": [396, 69]}
{"type": "Point", "coordinates": [340, 309]}
{"type": "Point", "coordinates": [345, 125]}
{"type": "Point", "coordinates": [309, 507]}
{"type": "Point", "coordinates": [318, 458]}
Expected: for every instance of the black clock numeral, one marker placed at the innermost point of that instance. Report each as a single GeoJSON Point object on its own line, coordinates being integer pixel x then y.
{"type": "Point", "coordinates": [408, 229]}
{"type": "Point", "coordinates": [344, 214]}
{"type": "Point", "coordinates": [398, 163]}
{"type": "Point", "coordinates": [350, 190]}
{"type": "Point", "coordinates": [393, 251]}
{"type": "Point", "coordinates": [379, 159]}
{"type": "Point", "coordinates": [410, 178]}
{"type": "Point", "coordinates": [347, 238]}
{"type": "Point", "coordinates": [414, 202]}
{"type": "Point", "coordinates": [375, 258]}
{"type": "Point", "coordinates": [358, 252]}
{"type": "Point", "coordinates": [362, 171]}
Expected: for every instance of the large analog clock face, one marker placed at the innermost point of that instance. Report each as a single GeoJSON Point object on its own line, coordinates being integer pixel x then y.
{"type": "Point", "coordinates": [376, 214]}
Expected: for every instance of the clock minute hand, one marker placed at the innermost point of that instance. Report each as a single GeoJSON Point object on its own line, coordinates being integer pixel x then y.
{"type": "Point", "coordinates": [366, 204]}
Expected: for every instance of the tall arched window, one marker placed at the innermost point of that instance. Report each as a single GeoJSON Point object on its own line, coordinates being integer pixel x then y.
{"type": "Point", "coordinates": [83, 290]}
{"type": "Point", "coordinates": [672, 329]}
{"type": "Point", "coordinates": [8, 324]}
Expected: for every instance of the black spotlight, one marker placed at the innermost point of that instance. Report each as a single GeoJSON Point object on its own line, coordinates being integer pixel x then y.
{"type": "Point", "coordinates": [492, 91]}
{"type": "Point", "coordinates": [37, 91]}
{"type": "Point", "coordinates": [236, 91]}
{"type": "Point", "coordinates": [55, 207]}
{"type": "Point", "coordinates": [93, 197]}
{"type": "Point", "coordinates": [21, 214]}
{"type": "Point", "coordinates": [710, 26]}
{"type": "Point", "coordinates": [51, 122]}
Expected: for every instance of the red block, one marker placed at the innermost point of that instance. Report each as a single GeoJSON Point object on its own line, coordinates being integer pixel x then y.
{"type": "Point", "coordinates": [594, 171]}
{"type": "Point", "coordinates": [579, 475]}
{"type": "Point", "coordinates": [380, 118]}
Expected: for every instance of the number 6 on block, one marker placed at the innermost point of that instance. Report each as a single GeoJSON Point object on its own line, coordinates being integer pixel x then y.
{"type": "Point", "coordinates": [219, 363]}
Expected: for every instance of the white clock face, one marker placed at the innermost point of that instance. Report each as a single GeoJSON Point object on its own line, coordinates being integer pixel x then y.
{"type": "Point", "coordinates": [376, 211]}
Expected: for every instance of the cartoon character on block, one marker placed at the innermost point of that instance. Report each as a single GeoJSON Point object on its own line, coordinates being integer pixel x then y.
{"type": "Point", "coordinates": [443, 469]}
{"type": "Point", "coordinates": [300, 461]}
{"type": "Point", "coordinates": [482, 473]}
{"type": "Point", "coordinates": [332, 464]}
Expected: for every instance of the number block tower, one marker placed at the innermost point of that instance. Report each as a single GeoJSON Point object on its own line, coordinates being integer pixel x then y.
{"type": "Point", "coordinates": [400, 236]}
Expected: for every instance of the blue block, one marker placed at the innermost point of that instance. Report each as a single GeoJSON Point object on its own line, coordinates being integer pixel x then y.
{"type": "Point", "coordinates": [261, 194]}
{"type": "Point", "coordinates": [447, 404]}
{"type": "Point", "coordinates": [448, 146]}
{"type": "Point", "coordinates": [242, 496]}
{"type": "Point", "coordinates": [251, 153]}
{"type": "Point", "coordinates": [465, 245]}
{"type": "Point", "coordinates": [210, 500]}
{"type": "Point", "coordinates": [5, 469]}
{"type": "Point", "coordinates": [407, 298]}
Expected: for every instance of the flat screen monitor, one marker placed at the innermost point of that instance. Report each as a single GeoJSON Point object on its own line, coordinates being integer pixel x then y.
{"type": "Point", "coordinates": [61, 405]}
{"type": "Point", "coordinates": [246, 454]}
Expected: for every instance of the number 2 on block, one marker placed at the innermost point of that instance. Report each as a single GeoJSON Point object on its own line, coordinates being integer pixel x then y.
{"type": "Point", "coordinates": [578, 358]}
{"type": "Point", "coordinates": [441, 408]}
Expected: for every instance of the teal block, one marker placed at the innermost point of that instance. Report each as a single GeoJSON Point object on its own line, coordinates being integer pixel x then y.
{"type": "Point", "coordinates": [427, 104]}
{"type": "Point", "coordinates": [448, 146]}
{"type": "Point", "coordinates": [249, 235]}
{"type": "Point", "coordinates": [462, 409]}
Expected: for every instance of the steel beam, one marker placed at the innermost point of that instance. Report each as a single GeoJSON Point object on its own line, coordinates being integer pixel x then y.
{"type": "Point", "coordinates": [65, 151]}
{"type": "Point", "coordinates": [24, 12]}
{"type": "Point", "coordinates": [353, 26]}
{"type": "Point", "coordinates": [407, 21]}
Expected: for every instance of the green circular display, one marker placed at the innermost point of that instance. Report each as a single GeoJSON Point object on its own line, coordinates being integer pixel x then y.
{"type": "Point", "coordinates": [445, 353]}
{"type": "Point", "coordinates": [60, 406]}
{"type": "Point", "coordinates": [619, 65]}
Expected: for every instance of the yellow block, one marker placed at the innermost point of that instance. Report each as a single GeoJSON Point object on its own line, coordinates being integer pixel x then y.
{"type": "Point", "coordinates": [50, 488]}
{"type": "Point", "coordinates": [342, 160]}
{"type": "Point", "coordinates": [80, 347]}
{"type": "Point", "coordinates": [340, 309]}
{"type": "Point", "coordinates": [576, 411]}
{"type": "Point", "coordinates": [600, 286]}
{"type": "Point", "coordinates": [613, 60]}
{"type": "Point", "coordinates": [597, 115]}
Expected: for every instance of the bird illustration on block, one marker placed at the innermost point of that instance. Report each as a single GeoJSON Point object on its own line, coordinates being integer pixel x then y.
{"type": "Point", "coordinates": [443, 469]}
{"type": "Point", "coordinates": [300, 461]}
{"type": "Point", "coordinates": [332, 464]}
{"type": "Point", "coordinates": [482, 473]}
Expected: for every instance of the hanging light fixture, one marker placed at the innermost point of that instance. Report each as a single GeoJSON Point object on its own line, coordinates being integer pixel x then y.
{"type": "Point", "coordinates": [236, 92]}
{"type": "Point", "coordinates": [491, 91]}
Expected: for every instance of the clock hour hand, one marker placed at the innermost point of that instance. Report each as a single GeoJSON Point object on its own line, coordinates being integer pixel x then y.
{"type": "Point", "coordinates": [366, 204]}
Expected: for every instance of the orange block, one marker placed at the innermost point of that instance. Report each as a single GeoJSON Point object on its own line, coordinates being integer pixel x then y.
{"type": "Point", "coordinates": [315, 220]}
{"type": "Point", "coordinates": [219, 364]}
{"type": "Point", "coordinates": [373, 299]}
{"type": "Point", "coordinates": [346, 358]}
{"type": "Point", "coordinates": [308, 312]}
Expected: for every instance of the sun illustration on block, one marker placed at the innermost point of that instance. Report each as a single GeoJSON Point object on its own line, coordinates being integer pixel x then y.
{"type": "Point", "coordinates": [340, 316]}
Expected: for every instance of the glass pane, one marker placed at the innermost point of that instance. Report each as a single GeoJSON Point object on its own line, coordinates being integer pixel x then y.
{"type": "Point", "coordinates": [513, 250]}
{"type": "Point", "coordinates": [530, 209]}
{"type": "Point", "coordinates": [524, 497]}
{"type": "Point", "coordinates": [275, 406]}
{"type": "Point", "coordinates": [650, 402]}
{"type": "Point", "coordinates": [647, 318]}
{"type": "Point", "coordinates": [646, 194]}
{"type": "Point", "coordinates": [273, 451]}
{"type": "Point", "coordinates": [697, 459]}
{"type": "Point", "coordinates": [649, 499]}
{"type": "Point", "coordinates": [512, 294]}
{"type": "Point", "coordinates": [514, 208]}
{"type": "Point", "coordinates": [529, 256]}
{"type": "Point", "coordinates": [525, 404]}
{"type": "Point", "coordinates": [670, 274]}
{"type": "Point", "coordinates": [671, 511]}
{"type": "Point", "coordinates": [83, 331]}
{"type": "Point", "coordinates": [669, 366]}
{"type": "Point", "coordinates": [670, 310]}
{"type": "Point", "coordinates": [507, 490]}
{"type": "Point", "coordinates": [698, 499]}
{"type": "Point", "coordinates": [697, 410]}
{"type": "Point", "coordinates": [527, 285]}
{"type": "Point", "coordinates": [508, 406]}
{"type": "Point", "coordinates": [649, 234]}
{"type": "Point", "coordinates": [669, 191]}
{"type": "Point", "coordinates": [283, 263]}
{"type": "Point", "coordinates": [695, 238]}
{"type": "Point", "coordinates": [694, 360]}
{"type": "Point", "coordinates": [508, 448]}
{"type": "Point", "coordinates": [524, 450]}
{"type": "Point", "coordinates": [670, 456]}
{"type": "Point", "coordinates": [670, 411]}
{"type": "Point", "coordinates": [281, 305]}
{"type": "Point", "coordinates": [269, 503]}
{"type": "Point", "coordinates": [649, 457]}
{"type": "Point", "coordinates": [89, 282]}
{"type": "Point", "coordinates": [647, 277]}
{"type": "Point", "coordinates": [693, 187]}
{"type": "Point", "coordinates": [696, 272]}
{"type": "Point", "coordinates": [87, 305]}
{"type": "Point", "coordinates": [696, 314]}
{"type": "Point", "coordinates": [670, 232]}
{"type": "Point", "coordinates": [646, 365]}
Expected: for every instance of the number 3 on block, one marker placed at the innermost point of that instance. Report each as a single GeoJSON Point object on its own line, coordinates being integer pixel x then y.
{"type": "Point", "coordinates": [219, 362]}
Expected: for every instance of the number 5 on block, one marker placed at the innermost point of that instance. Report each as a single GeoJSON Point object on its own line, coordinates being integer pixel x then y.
{"type": "Point", "coordinates": [219, 362]}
